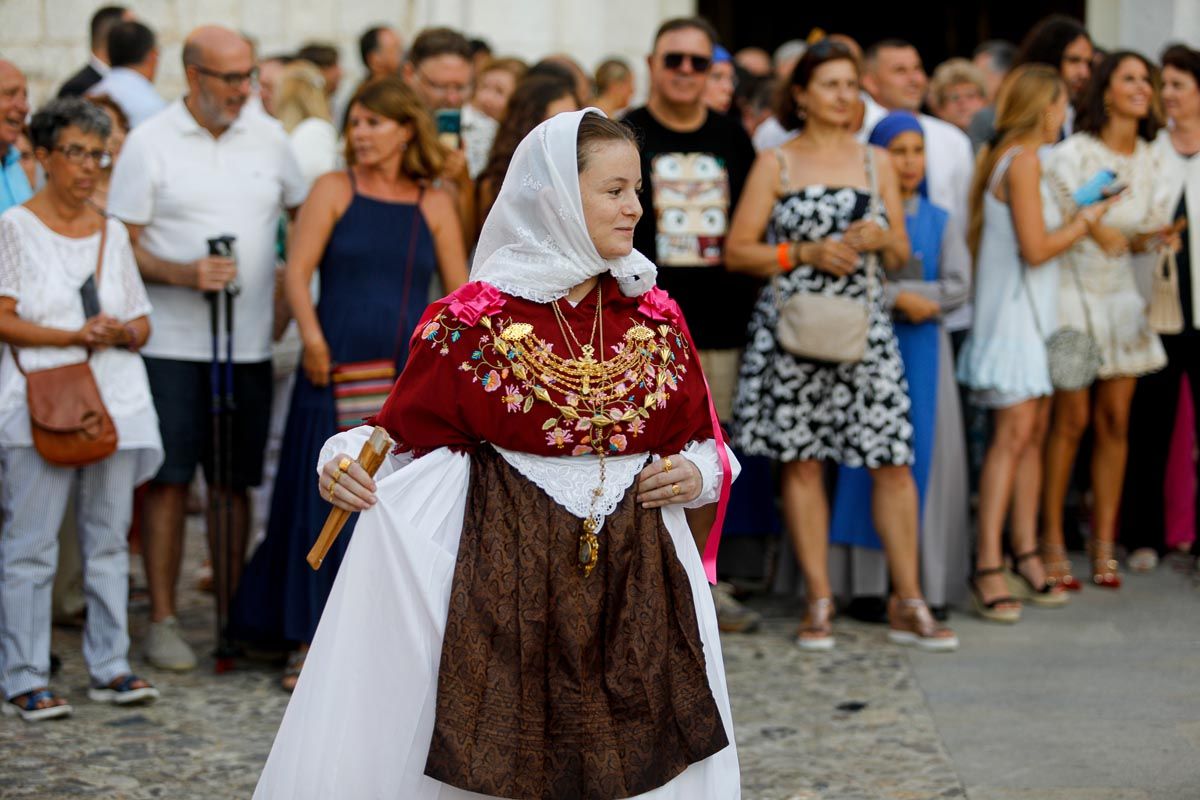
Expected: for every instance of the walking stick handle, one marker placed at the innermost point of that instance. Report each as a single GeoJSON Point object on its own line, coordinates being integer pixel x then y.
{"type": "Point", "coordinates": [374, 450]}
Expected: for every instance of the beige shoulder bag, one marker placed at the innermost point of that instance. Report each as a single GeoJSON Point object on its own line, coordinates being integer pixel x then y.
{"type": "Point", "coordinates": [828, 327]}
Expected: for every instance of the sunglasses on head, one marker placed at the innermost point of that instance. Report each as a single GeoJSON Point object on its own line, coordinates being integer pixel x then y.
{"type": "Point", "coordinates": [675, 61]}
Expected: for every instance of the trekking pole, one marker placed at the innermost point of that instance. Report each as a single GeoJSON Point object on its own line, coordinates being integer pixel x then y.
{"type": "Point", "coordinates": [221, 494]}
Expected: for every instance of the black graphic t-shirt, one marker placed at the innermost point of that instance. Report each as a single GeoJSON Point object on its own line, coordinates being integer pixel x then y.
{"type": "Point", "coordinates": [691, 182]}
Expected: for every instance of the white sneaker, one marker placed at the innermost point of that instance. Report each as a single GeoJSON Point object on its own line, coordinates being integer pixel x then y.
{"type": "Point", "coordinates": [165, 647]}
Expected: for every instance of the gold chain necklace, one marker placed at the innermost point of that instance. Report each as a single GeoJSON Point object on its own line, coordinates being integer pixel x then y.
{"type": "Point", "coordinates": [588, 351]}
{"type": "Point", "coordinates": [589, 544]}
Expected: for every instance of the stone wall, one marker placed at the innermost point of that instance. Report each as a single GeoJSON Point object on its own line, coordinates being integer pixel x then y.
{"type": "Point", "coordinates": [48, 38]}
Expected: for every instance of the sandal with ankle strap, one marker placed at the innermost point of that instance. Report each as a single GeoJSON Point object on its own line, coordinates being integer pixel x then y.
{"type": "Point", "coordinates": [1105, 569]}
{"type": "Point", "coordinates": [911, 623]}
{"type": "Point", "coordinates": [1059, 571]}
{"type": "Point", "coordinates": [990, 609]}
{"type": "Point", "coordinates": [816, 629]}
{"type": "Point", "coordinates": [1046, 596]}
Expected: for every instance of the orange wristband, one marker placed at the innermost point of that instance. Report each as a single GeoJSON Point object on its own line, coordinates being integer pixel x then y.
{"type": "Point", "coordinates": [783, 256]}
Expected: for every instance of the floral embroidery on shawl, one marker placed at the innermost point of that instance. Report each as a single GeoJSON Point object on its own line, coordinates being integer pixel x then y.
{"type": "Point", "coordinates": [595, 406]}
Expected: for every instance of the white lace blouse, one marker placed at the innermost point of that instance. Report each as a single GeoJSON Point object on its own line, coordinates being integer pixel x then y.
{"type": "Point", "coordinates": [43, 271]}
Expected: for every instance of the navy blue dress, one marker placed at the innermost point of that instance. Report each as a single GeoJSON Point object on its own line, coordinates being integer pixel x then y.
{"type": "Point", "coordinates": [361, 310]}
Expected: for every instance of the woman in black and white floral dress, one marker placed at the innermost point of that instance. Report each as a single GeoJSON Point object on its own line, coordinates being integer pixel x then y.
{"type": "Point", "coordinates": [811, 198]}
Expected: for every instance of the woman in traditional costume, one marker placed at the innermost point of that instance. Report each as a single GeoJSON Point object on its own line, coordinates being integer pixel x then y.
{"type": "Point", "coordinates": [515, 617]}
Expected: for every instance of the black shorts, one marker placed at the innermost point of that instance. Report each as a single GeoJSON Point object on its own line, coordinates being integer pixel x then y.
{"type": "Point", "coordinates": [183, 399]}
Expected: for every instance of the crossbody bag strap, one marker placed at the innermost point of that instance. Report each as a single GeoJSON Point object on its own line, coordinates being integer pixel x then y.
{"type": "Point", "coordinates": [875, 209]}
{"type": "Point", "coordinates": [99, 270]}
{"type": "Point", "coordinates": [1087, 312]}
{"type": "Point", "coordinates": [414, 230]}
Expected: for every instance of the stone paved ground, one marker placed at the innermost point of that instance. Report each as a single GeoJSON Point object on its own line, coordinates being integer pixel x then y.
{"type": "Point", "coordinates": [846, 725]}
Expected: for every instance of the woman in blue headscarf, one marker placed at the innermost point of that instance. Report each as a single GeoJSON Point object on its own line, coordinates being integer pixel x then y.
{"type": "Point", "coordinates": [936, 280]}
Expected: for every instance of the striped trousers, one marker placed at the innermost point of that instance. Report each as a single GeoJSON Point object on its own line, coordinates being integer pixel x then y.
{"type": "Point", "coordinates": [33, 497]}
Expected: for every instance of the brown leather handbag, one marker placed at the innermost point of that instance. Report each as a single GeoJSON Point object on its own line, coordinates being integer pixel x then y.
{"type": "Point", "coordinates": [70, 425]}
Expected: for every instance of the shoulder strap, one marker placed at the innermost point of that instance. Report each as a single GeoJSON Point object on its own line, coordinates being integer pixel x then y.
{"type": "Point", "coordinates": [784, 180]}
{"type": "Point", "coordinates": [874, 207]}
{"type": "Point", "coordinates": [1001, 167]}
{"type": "Point", "coordinates": [103, 242]}
{"type": "Point", "coordinates": [872, 178]}
{"type": "Point", "coordinates": [99, 269]}
{"type": "Point", "coordinates": [414, 231]}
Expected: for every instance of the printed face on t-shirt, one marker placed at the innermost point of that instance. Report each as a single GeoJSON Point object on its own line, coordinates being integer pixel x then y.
{"type": "Point", "coordinates": [691, 206]}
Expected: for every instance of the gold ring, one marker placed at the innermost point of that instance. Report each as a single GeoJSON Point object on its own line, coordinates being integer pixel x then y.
{"type": "Point", "coordinates": [674, 489]}
{"type": "Point", "coordinates": [345, 463]}
{"type": "Point", "coordinates": [329, 488]}
{"type": "Point", "coordinates": [667, 464]}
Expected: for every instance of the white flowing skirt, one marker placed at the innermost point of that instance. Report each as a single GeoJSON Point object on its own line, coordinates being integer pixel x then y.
{"type": "Point", "coordinates": [359, 724]}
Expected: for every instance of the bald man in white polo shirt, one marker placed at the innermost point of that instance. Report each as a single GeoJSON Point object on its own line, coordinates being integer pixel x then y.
{"type": "Point", "coordinates": [200, 169]}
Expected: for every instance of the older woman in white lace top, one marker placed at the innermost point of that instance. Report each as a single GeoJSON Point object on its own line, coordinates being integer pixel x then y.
{"type": "Point", "coordinates": [54, 312]}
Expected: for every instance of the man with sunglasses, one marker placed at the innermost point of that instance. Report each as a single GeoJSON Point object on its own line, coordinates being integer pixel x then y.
{"type": "Point", "coordinates": [202, 168]}
{"type": "Point", "coordinates": [694, 164]}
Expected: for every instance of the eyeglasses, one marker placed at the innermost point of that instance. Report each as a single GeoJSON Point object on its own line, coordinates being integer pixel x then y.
{"type": "Point", "coordinates": [77, 154]}
{"type": "Point", "coordinates": [444, 88]}
{"type": "Point", "coordinates": [233, 80]}
{"type": "Point", "coordinates": [698, 63]}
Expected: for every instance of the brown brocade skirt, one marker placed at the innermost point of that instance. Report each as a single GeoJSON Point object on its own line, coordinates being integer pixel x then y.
{"type": "Point", "coordinates": [553, 685]}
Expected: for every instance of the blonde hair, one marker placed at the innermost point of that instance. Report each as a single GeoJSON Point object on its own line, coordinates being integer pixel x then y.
{"type": "Point", "coordinates": [301, 95]}
{"type": "Point", "coordinates": [1021, 105]}
{"type": "Point", "coordinates": [391, 97]}
{"type": "Point", "coordinates": [954, 72]}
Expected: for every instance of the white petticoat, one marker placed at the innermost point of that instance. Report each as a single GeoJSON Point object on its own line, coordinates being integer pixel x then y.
{"type": "Point", "coordinates": [359, 724]}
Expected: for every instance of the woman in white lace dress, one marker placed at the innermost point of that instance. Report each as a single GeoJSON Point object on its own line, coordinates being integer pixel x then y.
{"type": "Point", "coordinates": [49, 253]}
{"type": "Point", "coordinates": [1097, 293]}
{"type": "Point", "coordinates": [522, 611]}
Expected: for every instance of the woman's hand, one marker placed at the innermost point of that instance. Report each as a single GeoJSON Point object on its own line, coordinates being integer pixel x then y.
{"type": "Point", "coordinates": [832, 256]}
{"type": "Point", "coordinates": [351, 489]}
{"type": "Point", "coordinates": [916, 308]}
{"type": "Point", "coordinates": [669, 480]}
{"type": "Point", "coordinates": [316, 362]}
{"type": "Point", "coordinates": [100, 332]}
{"type": "Point", "coordinates": [1168, 237]}
{"type": "Point", "coordinates": [865, 236]}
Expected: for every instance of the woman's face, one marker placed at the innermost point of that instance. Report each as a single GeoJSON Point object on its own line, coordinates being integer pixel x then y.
{"type": "Point", "coordinates": [491, 96]}
{"type": "Point", "coordinates": [960, 103]}
{"type": "Point", "coordinates": [1056, 115]}
{"type": "Point", "coordinates": [908, 156]}
{"type": "Point", "coordinates": [564, 103]}
{"type": "Point", "coordinates": [374, 137]}
{"type": "Point", "coordinates": [608, 186]}
{"type": "Point", "coordinates": [73, 168]}
{"type": "Point", "coordinates": [831, 94]}
{"type": "Point", "coordinates": [1130, 91]}
{"type": "Point", "coordinates": [1180, 94]}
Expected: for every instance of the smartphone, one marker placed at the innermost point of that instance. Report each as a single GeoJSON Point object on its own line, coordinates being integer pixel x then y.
{"type": "Point", "coordinates": [1093, 191]}
{"type": "Point", "coordinates": [90, 297]}
{"type": "Point", "coordinates": [1112, 190]}
{"type": "Point", "coordinates": [449, 127]}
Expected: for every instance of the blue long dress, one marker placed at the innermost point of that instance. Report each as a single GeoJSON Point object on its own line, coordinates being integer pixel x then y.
{"type": "Point", "coordinates": [362, 281]}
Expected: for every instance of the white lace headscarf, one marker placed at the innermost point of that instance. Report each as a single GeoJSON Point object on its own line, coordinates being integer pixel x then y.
{"type": "Point", "coordinates": [535, 242]}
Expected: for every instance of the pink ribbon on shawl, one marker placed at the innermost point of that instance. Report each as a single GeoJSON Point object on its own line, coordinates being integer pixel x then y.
{"type": "Point", "coordinates": [658, 305]}
{"type": "Point", "coordinates": [472, 301]}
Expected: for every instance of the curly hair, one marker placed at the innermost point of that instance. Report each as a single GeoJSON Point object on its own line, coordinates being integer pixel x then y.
{"type": "Point", "coordinates": [1093, 111]}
